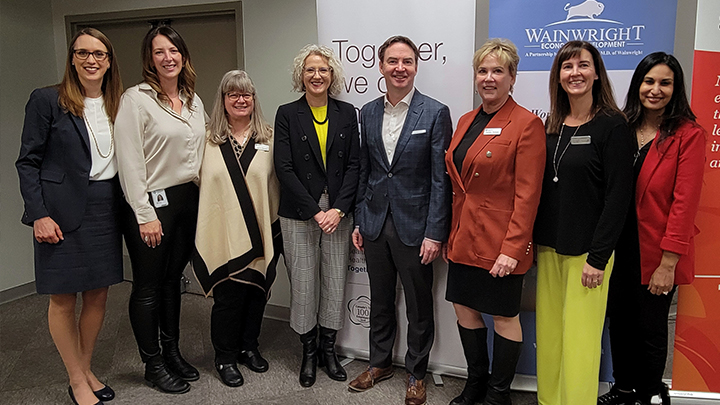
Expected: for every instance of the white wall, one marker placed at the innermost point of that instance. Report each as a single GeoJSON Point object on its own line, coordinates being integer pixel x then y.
{"type": "Point", "coordinates": [31, 33]}
{"type": "Point", "coordinates": [26, 62]}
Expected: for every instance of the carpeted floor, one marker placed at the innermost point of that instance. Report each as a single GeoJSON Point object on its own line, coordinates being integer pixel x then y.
{"type": "Point", "coordinates": [31, 371]}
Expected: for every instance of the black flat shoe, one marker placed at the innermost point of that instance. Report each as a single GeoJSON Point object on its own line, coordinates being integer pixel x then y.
{"type": "Point", "coordinates": [105, 393]}
{"type": "Point", "coordinates": [253, 360]}
{"type": "Point", "coordinates": [72, 396]}
{"type": "Point", "coordinates": [229, 374]}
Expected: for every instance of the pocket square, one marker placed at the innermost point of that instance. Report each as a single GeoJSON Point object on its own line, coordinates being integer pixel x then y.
{"type": "Point", "coordinates": [418, 131]}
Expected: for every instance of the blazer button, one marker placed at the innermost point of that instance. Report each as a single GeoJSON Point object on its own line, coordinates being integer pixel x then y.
{"type": "Point", "coordinates": [304, 138]}
{"type": "Point", "coordinates": [309, 176]}
{"type": "Point", "coordinates": [337, 173]}
{"type": "Point", "coordinates": [477, 174]}
{"type": "Point", "coordinates": [389, 174]}
{"type": "Point", "coordinates": [340, 154]}
{"type": "Point", "coordinates": [342, 136]}
{"type": "Point", "coordinates": [307, 156]}
{"type": "Point", "coordinates": [488, 154]}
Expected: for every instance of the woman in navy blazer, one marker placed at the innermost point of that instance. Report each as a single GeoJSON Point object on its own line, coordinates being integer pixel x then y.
{"type": "Point", "coordinates": [317, 164]}
{"type": "Point", "coordinates": [656, 251]}
{"type": "Point", "coordinates": [68, 180]}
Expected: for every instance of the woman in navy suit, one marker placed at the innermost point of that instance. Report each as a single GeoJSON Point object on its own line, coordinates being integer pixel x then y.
{"type": "Point", "coordinates": [656, 250]}
{"type": "Point", "coordinates": [316, 161]}
{"type": "Point", "coordinates": [68, 180]}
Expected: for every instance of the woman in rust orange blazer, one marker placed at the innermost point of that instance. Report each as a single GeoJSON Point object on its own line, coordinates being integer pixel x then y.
{"type": "Point", "coordinates": [495, 162]}
{"type": "Point", "coordinates": [656, 249]}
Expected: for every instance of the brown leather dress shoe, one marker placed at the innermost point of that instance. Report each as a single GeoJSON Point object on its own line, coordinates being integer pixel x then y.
{"type": "Point", "coordinates": [415, 394]}
{"type": "Point", "coordinates": [370, 377]}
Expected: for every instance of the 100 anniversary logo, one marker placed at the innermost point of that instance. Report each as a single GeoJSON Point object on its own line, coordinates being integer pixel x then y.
{"type": "Point", "coordinates": [359, 311]}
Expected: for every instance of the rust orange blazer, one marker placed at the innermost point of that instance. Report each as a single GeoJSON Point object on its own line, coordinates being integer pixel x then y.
{"type": "Point", "coordinates": [496, 196]}
{"type": "Point", "coordinates": [667, 195]}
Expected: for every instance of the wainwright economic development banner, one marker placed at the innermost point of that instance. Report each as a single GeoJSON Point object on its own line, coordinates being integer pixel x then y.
{"type": "Point", "coordinates": [444, 32]}
{"type": "Point", "coordinates": [623, 31]}
{"type": "Point", "coordinates": [696, 363]}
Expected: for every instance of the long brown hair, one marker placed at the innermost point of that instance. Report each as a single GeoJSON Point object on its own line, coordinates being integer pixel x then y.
{"type": "Point", "coordinates": [603, 100]}
{"type": "Point", "coordinates": [186, 79]}
{"type": "Point", "coordinates": [71, 94]}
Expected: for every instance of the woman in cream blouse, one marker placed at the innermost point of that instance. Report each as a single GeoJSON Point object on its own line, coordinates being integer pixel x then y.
{"type": "Point", "coordinates": [160, 133]}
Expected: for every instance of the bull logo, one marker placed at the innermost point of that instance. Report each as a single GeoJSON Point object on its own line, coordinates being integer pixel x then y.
{"type": "Point", "coordinates": [587, 9]}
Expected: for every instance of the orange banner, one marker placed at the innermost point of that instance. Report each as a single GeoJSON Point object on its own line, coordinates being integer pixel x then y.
{"type": "Point", "coordinates": [696, 364]}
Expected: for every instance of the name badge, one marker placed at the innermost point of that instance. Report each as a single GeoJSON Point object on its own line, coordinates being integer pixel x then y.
{"type": "Point", "coordinates": [418, 131]}
{"type": "Point", "coordinates": [492, 131]}
{"type": "Point", "coordinates": [580, 140]}
{"type": "Point", "coordinates": [159, 198]}
{"type": "Point", "coordinates": [262, 147]}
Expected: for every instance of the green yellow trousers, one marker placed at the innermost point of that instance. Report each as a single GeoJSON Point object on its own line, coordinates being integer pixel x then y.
{"type": "Point", "coordinates": [569, 322]}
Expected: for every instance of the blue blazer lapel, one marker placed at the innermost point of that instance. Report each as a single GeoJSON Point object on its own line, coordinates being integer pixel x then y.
{"type": "Point", "coordinates": [306, 123]}
{"type": "Point", "coordinates": [415, 110]}
{"type": "Point", "coordinates": [374, 130]}
{"type": "Point", "coordinates": [82, 130]}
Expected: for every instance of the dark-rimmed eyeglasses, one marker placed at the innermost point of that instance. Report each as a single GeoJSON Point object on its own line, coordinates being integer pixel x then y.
{"type": "Point", "coordinates": [236, 96]}
{"type": "Point", "coordinates": [83, 54]}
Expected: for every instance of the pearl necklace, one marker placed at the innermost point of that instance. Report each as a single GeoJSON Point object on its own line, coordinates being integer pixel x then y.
{"type": "Point", "coordinates": [97, 146]}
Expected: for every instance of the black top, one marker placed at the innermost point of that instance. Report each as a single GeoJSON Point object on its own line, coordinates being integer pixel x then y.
{"type": "Point", "coordinates": [478, 125]}
{"type": "Point", "coordinates": [627, 253]}
{"type": "Point", "coordinates": [584, 211]}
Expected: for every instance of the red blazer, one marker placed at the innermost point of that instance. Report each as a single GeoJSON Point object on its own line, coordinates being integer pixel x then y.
{"type": "Point", "coordinates": [667, 196]}
{"type": "Point", "coordinates": [496, 196]}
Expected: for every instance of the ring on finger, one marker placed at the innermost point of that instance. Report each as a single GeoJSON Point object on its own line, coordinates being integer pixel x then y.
{"type": "Point", "coordinates": [146, 238]}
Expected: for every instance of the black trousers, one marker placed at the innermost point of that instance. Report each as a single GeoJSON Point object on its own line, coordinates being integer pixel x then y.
{"type": "Point", "coordinates": [155, 296]}
{"type": "Point", "coordinates": [638, 332]}
{"type": "Point", "coordinates": [236, 319]}
{"type": "Point", "coordinates": [387, 257]}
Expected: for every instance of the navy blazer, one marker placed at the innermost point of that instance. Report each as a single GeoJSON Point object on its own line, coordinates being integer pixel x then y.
{"type": "Point", "coordinates": [298, 161]}
{"type": "Point", "coordinates": [54, 163]}
{"type": "Point", "coordinates": [414, 187]}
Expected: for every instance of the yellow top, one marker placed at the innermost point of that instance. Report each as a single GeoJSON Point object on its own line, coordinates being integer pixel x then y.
{"type": "Point", "coordinates": [320, 113]}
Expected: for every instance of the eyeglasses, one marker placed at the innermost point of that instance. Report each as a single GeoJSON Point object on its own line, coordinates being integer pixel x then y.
{"type": "Point", "coordinates": [83, 54]}
{"type": "Point", "coordinates": [236, 96]}
{"type": "Point", "coordinates": [324, 71]}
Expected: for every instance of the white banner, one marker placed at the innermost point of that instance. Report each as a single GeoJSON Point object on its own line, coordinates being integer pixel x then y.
{"type": "Point", "coordinates": [444, 33]}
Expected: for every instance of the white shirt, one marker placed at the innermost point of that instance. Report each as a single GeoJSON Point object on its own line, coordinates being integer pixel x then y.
{"type": "Point", "coordinates": [393, 122]}
{"type": "Point", "coordinates": [100, 136]}
{"type": "Point", "coordinates": [157, 148]}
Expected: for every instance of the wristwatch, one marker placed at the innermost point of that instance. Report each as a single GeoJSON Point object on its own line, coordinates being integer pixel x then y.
{"type": "Point", "coordinates": [340, 213]}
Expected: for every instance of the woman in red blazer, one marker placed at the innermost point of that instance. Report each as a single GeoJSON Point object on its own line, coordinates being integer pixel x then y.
{"type": "Point", "coordinates": [656, 251]}
{"type": "Point", "coordinates": [495, 162]}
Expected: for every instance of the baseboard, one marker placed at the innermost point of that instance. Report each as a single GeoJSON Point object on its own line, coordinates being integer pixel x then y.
{"type": "Point", "coordinates": [12, 294]}
{"type": "Point", "coordinates": [277, 312]}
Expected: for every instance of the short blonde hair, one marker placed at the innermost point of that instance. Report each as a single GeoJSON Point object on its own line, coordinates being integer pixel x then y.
{"type": "Point", "coordinates": [503, 49]}
{"type": "Point", "coordinates": [338, 74]}
{"type": "Point", "coordinates": [219, 128]}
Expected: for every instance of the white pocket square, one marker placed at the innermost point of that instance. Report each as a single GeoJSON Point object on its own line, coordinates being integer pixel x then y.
{"type": "Point", "coordinates": [418, 131]}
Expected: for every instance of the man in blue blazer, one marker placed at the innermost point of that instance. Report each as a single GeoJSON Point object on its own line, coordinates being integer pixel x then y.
{"type": "Point", "coordinates": [402, 214]}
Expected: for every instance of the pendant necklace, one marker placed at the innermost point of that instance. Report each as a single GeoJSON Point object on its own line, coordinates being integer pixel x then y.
{"type": "Point", "coordinates": [97, 146]}
{"type": "Point", "coordinates": [556, 165]}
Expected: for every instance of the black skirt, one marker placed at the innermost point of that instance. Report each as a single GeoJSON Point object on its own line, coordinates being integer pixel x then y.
{"type": "Point", "coordinates": [475, 288]}
{"type": "Point", "coordinates": [89, 257]}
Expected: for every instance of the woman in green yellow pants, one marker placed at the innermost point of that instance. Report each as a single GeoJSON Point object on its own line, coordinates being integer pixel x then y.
{"type": "Point", "coordinates": [586, 190]}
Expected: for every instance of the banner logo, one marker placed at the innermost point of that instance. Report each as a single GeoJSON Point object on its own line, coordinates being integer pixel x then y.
{"type": "Point", "coordinates": [588, 9]}
{"type": "Point", "coordinates": [622, 31]}
{"type": "Point", "coordinates": [359, 311]}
